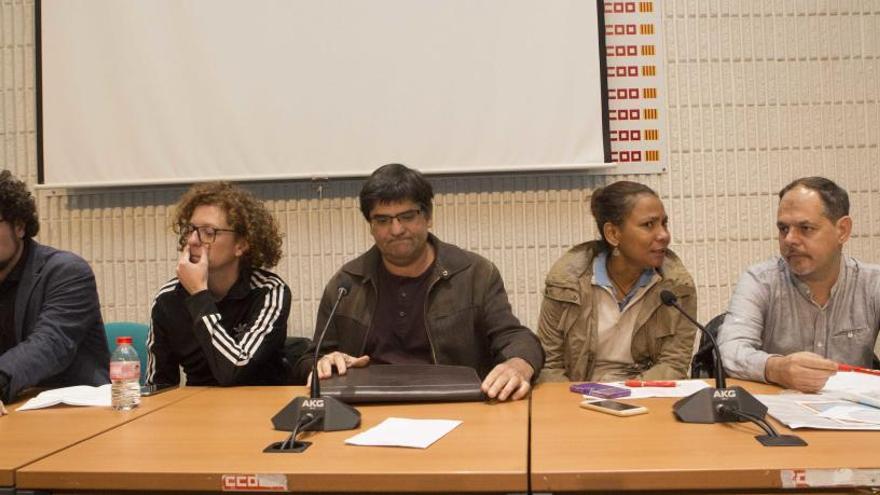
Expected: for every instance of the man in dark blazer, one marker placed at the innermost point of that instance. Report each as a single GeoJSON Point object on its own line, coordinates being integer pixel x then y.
{"type": "Point", "coordinates": [51, 331]}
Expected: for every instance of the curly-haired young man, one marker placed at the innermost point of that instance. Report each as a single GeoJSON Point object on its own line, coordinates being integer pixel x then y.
{"type": "Point", "coordinates": [51, 332]}
{"type": "Point", "coordinates": [223, 319]}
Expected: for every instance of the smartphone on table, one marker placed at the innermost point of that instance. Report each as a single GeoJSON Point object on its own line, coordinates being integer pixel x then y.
{"type": "Point", "coordinates": [614, 407]}
{"type": "Point", "coordinates": [148, 390]}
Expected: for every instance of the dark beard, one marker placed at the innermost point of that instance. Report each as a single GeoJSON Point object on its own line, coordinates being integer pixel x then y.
{"type": "Point", "coordinates": [4, 264]}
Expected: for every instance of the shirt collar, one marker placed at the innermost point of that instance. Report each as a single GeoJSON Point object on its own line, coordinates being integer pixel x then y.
{"type": "Point", "coordinates": [804, 289]}
{"type": "Point", "coordinates": [242, 287]}
{"type": "Point", "coordinates": [602, 279]}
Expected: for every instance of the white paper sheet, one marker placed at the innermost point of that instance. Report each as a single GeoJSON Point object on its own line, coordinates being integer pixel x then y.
{"type": "Point", "coordinates": [402, 432]}
{"type": "Point", "coordinates": [797, 410]}
{"type": "Point", "coordinates": [682, 388]}
{"type": "Point", "coordinates": [853, 413]}
{"type": "Point", "coordinates": [856, 387]}
{"type": "Point", "coordinates": [852, 381]}
{"type": "Point", "coordinates": [80, 395]}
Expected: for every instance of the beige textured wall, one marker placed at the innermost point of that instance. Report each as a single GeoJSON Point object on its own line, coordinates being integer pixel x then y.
{"type": "Point", "coordinates": [760, 92]}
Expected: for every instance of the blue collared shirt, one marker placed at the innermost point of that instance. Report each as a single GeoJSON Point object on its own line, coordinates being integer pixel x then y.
{"type": "Point", "coordinates": [602, 279]}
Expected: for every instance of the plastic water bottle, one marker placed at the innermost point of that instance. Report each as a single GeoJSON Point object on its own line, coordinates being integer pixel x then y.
{"type": "Point", "coordinates": [125, 371]}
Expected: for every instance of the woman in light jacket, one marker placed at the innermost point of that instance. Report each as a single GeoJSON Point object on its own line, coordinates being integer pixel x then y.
{"type": "Point", "coordinates": [602, 318]}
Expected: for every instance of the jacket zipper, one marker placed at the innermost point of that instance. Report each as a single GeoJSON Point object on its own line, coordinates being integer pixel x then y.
{"type": "Point", "coordinates": [443, 275]}
{"type": "Point", "coordinates": [369, 328]}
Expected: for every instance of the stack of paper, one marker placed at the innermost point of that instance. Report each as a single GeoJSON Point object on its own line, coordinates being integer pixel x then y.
{"type": "Point", "coordinates": [849, 401]}
{"type": "Point", "coordinates": [857, 387]}
{"type": "Point", "coordinates": [80, 395]}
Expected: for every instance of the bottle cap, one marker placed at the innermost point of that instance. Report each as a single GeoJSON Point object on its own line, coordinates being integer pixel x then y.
{"type": "Point", "coordinates": [123, 340]}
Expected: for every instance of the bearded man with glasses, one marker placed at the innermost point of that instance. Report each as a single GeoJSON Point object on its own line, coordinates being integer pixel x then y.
{"type": "Point", "coordinates": [417, 300]}
{"type": "Point", "coordinates": [223, 319]}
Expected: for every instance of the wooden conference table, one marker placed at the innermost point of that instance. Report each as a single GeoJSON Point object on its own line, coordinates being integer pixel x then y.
{"type": "Point", "coordinates": [575, 449]}
{"type": "Point", "coordinates": [215, 438]}
{"type": "Point", "coordinates": [28, 436]}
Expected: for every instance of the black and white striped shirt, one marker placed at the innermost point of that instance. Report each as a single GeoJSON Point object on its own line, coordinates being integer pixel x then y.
{"type": "Point", "coordinates": [235, 341]}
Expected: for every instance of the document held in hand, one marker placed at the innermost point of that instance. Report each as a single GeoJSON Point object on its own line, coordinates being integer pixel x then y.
{"type": "Point", "coordinates": [855, 386]}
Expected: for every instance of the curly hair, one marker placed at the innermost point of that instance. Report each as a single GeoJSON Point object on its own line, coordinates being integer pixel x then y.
{"type": "Point", "coordinates": [246, 215]}
{"type": "Point", "coordinates": [17, 205]}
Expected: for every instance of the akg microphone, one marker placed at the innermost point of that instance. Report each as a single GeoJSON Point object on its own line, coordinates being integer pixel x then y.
{"type": "Point", "coordinates": [316, 413]}
{"type": "Point", "coordinates": [341, 291]}
{"type": "Point", "coordinates": [669, 299]}
{"type": "Point", "coordinates": [713, 405]}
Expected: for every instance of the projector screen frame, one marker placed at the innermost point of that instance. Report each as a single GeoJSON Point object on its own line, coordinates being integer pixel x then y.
{"type": "Point", "coordinates": [593, 169]}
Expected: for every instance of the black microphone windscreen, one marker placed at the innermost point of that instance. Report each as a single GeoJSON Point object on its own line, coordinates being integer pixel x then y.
{"type": "Point", "coordinates": [344, 284]}
{"type": "Point", "coordinates": [668, 297]}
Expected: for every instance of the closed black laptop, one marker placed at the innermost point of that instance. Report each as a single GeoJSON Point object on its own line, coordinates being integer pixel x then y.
{"type": "Point", "coordinates": [405, 383]}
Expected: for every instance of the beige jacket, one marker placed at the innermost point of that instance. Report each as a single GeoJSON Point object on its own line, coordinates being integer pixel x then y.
{"type": "Point", "coordinates": [663, 339]}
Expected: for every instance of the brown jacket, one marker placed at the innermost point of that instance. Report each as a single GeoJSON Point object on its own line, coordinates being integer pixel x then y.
{"type": "Point", "coordinates": [467, 314]}
{"type": "Point", "coordinates": [663, 339]}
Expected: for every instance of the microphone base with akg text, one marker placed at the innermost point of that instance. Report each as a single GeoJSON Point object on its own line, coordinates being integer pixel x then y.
{"type": "Point", "coordinates": [703, 406]}
{"type": "Point", "coordinates": [331, 414]}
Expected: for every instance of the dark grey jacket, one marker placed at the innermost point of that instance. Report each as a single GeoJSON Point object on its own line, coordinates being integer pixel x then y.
{"type": "Point", "coordinates": [467, 314]}
{"type": "Point", "coordinates": [59, 332]}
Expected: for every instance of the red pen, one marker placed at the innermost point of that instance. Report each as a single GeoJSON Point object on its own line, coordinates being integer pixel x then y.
{"type": "Point", "coordinates": [857, 369]}
{"type": "Point", "coordinates": [649, 383]}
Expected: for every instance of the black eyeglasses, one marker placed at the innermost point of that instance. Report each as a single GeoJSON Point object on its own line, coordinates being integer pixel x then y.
{"type": "Point", "coordinates": [206, 234]}
{"type": "Point", "coordinates": [404, 217]}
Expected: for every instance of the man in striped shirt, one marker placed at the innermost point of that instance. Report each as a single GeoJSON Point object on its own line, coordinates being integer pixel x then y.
{"type": "Point", "coordinates": [223, 319]}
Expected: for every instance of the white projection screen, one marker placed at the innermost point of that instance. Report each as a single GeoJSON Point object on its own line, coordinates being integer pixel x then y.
{"type": "Point", "coordinates": [173, 91]}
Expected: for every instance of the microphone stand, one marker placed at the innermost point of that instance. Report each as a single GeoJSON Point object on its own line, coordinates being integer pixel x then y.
{"type": "Point", "coordinates": [314, 413]}
{"type": "Point", "coordinates": [772, 437]}
{"type": "Point", "coordinates": [723, 404]}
